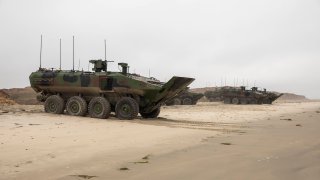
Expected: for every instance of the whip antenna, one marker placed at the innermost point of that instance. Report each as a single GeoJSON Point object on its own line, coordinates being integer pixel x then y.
{"type": "Point", "coordinates": [105, 50]}
{"type": "Point", "coordinates": [105, 54]}
{"type": "Point", "coordinates": [60, 54]}
{"type": "Point", "coordinates": [72, 53]}
{"type": "Point", "coordinates": [79, 65]}
{"type": "Point", "coordinates": [40, 51]}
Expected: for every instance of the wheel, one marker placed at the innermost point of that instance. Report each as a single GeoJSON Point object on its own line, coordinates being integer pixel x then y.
{"type": "Point", "coordinates": [99, 107]}
{"type": "Point", "coordinates": [187, 101]}
{"type": "Point", "coordinates": [227, 100]}
{"type": "Point", "coordinates": [244, 101]}
{"type": "Point", "coordinates": [76, 106]}
{"type": "Point", "coordinates": [235, 101]}
{"type": "Point", "coordinates": [127, 108]}
{"type": "Point", "coordinates": [54, 104]}
{"type": "Point", "coordinates": [176, 101]}
{"type": "Point", "coordinates": [152, 114]}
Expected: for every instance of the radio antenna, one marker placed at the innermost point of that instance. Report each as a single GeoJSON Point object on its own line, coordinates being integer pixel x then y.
{"type": "Point", "coordinates": [72, 53]}
{"type": "Point", "coordinates": [105, 50]}
{"type": "Point", "coordinates": [79, 65]}
{"type": "Point", "coordinates": [40, 51]}
{"type": "Point", "coordinates": [60, 54]}
{"type": "Point", "coordinates": [105, 54]}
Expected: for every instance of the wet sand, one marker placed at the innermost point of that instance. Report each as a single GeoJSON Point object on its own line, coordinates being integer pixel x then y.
{"type": "Point", "coordinates": [206, 141]}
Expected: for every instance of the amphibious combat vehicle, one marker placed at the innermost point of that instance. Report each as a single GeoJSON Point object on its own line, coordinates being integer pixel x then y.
{"type": "Point", "coordinates": [241, 95]}
{"type": "Point", "coordinates": [101, 92]}
{"type": "Point", "coordinates": [185, 97]}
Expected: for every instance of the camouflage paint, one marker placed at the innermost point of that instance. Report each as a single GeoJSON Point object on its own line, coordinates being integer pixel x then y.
{"type": "Point", "coordinates": [112, 85]}
{"type": "Point", "coordinates": [261, 97]}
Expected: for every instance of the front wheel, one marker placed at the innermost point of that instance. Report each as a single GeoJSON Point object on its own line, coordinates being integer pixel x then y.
{"type": "Point", "coordinates": [127, 108]}
{"type": "Point", "coordinates": [54, 104]}
{"type": "Point", "coordinates": [152, 114]}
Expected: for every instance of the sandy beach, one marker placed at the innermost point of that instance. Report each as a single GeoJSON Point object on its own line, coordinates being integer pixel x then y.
{"type": "Point", "coordinates": [204, 141]}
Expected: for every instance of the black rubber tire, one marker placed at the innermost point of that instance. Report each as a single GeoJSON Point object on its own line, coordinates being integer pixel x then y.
{"type": "Point", "coordinates": [153, 114]}
{"type": "Point", "coordinates": [76, 106]}
{"type": "Point", "coordinates": [54, 104]}
{"type": "Point", "coordinates": [99, 107]}
{"type": "Point", "coordinates": [187, 101]}
{"type": "Point", "coordinates": [127, 108]}
{"type": "Point", "coordinates": [227, 100]}
{"type": "Point", "coordinates": [235, 101]}
{"type": "Point", "coordinates": [176, 101]}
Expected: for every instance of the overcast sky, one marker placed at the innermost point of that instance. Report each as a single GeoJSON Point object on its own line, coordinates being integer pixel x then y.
{"type": "Point", "coordinates": [271, 43]}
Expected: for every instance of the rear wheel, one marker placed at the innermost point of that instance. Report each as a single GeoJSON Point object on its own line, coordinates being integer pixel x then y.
{"type": "Point", "coordinates": [54, 104]}
{"type": "Point", "coordinates": [152, 114]}
{"type": "Point", "coordinates": [76, 106]}
{"type": "Point", "coordinates": [235, 101]}
{"type": "Point", "coordinates": [176, 101]}
{"type": "Point", "coordinates": [99, 107]}
{"type": "Point", "coordinates": [187, 101]}
{"type": "Point", "coordinates": [127, 108]}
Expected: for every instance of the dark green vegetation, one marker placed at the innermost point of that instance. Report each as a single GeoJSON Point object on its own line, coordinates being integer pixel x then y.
{"type": "Point", "coordinates": [241, 95]}
{"type": "Point", "coordinates": [101, 92]}
{"type": "Point", "coordinates": [185, 98]}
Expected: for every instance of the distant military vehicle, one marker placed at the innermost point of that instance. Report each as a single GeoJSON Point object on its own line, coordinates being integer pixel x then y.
{"type": "Point", "coordinates": [185, 97]}
{"type": "Point", "coordinates": [101, 92]}
{"type": "Point", "coordinates": [215, 95]}
{"type": "Point", "coordinates": [240, 95]}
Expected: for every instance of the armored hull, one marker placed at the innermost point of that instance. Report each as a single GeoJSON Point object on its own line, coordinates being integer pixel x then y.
{"type": "Point", "coordinates": [99, 93]}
